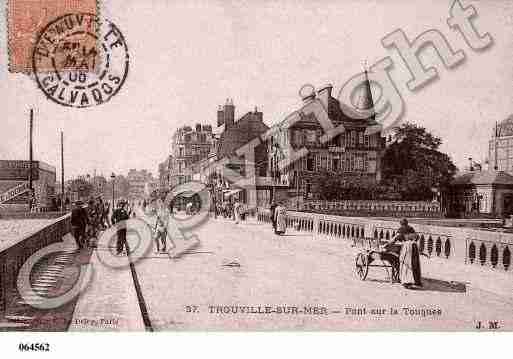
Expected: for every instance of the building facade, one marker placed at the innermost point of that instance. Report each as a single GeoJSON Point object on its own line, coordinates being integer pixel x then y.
{"type": "Point", "coordinates": [164, 174]}
{"type": "Point", "coordinates": [188, 146]}
{"type": "Point", "coordinates": [480, 193]}
{"type": "Point", "coordinates": [354, 155]}
{"type": "Point", "coordinates": [232, 134]}
{"type": "Point", "coordinates": [150, 187]}
{"type": "Point", "coordinates": [500, 147]}
{"type": "Point", "coordinates": [136, 182]}
{"type": "Point", "coordinates": [14, 185]}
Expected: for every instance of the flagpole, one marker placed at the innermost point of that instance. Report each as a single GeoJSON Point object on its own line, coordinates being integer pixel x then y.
{"type": "Point", "coordinates": [495, 166]}
{"type": "Point", "coordinates": [62, 171]}
{"type": "Point", "coordinates": [31, 127]}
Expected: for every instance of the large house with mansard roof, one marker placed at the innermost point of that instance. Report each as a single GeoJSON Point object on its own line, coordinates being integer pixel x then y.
{"type": "Point", "coordinates": [354, 155]}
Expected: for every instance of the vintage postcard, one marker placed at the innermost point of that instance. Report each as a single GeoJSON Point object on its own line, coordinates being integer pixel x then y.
{"type": "Point", "coordinates": [256, 166]}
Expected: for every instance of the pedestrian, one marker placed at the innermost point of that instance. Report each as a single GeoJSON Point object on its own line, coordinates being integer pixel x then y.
{"type": "Point", "coordinates": [119, 217]}
{"type": "Point", "coordinates": [273, 214]}
{"type": "Point", "coordinates": [160, 233]}
{"type": "Point", "coordinates": [224, 209]}
{"type": "Point", "coordinates": [106, 210]}
{"type": "Point", "coordinates": [281, 219]}
{"type": "Point", "coordinates": [409, 257]}
{"type": "Point", "coordinates": [79, 223]}
{"type": "Point", "coordinates": [100, 207]}
{"type": "Point", "coordinates": [188, 208]}
{"type": "Point", "coordinates": [236, 212]}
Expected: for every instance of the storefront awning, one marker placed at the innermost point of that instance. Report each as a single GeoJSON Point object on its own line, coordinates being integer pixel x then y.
{"type": "Point", "coordinates": [186, 194]}
{"type": "Point", "coordinates": [232, 192]}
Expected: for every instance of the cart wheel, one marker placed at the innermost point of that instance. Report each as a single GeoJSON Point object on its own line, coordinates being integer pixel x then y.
{"type": "Point", "coordinates": [362, 266]}
{"type": "Point", "coordinates": [395, 275]}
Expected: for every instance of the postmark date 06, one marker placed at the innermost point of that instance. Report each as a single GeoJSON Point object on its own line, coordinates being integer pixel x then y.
{"type": "Point", "coordinates": [34, 347]}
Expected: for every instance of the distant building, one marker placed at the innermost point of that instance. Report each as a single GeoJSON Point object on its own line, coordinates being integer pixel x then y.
{"type": "Point", "coordinates": [136, 182]}
{"type": "Point", "coordinates": [150, 186]}
{"type": "Point", "coordinates": [500, 147]}
{"type": "Point", "coordinates": [476, 193]}
{"type": "Point", "coordinates": [164, 173]}
{"type": "Point", "coordinates": [14, 185]}
{"type": "Point", "coordinates": [188, 146]}
{"type": "Point", "coordinates": [232, 134]}
{"type": "Point", "coordinates": [99, 185]}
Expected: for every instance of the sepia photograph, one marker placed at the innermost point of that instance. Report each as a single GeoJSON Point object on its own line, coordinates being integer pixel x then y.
{"type": "Point", "coordinates": [254, 166]}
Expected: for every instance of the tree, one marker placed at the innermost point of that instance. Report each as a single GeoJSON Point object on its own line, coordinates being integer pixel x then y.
{"type": "Point", "coordinates": [332, 188]}
{"type": "Point", "coordinates": [329, 187]}
{"type": "Point", "coordinates": [413, 165]}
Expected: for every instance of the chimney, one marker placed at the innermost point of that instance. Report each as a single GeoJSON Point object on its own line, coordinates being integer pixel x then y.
{"type": "Point", "coordinates": [229, 113]}
{"type": "Point", "coordinates": [258, 115]}
{"type": "Point", "coordinates": [220, 116]}
{"type": "Point", "coordinates": [471, 166]}
{"type": "Point", "coordinates": [307, 93]}
{"type": "Point", "coordinates": [324, 94]}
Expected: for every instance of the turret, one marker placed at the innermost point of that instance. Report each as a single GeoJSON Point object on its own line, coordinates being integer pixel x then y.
{"type": "Point", "coordinates": [220, 116]}
{"type": "Point", "coordinates": [229, 113]}
{"type": "Point", "coordinates": [365, 101]}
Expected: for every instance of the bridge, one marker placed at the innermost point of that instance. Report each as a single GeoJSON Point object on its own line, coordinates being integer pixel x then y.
{"type": "Point", "coordinates": [244, 277]}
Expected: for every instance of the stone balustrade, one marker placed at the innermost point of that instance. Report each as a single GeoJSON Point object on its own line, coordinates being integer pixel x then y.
{"type": "Point", "coordinates": [32, 215]}
{"type": "Point", "coordinates": [374, 207]}
{"type": "Point", "coordinates": [15, 254]}
{"type": "Point", "coordinates": [490, 249]}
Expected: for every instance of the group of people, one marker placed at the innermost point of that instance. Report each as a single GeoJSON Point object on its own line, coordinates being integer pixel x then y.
{"type": "Point", "coordinates": [88, 219]}
{"type": "Point", "coordinates": [122, 213]}
{"type": "Point", "coordinates": [236, 210]}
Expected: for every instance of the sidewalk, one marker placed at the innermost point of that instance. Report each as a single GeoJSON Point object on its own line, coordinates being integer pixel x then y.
{"type": "Point", "coordinates": [110, 302]}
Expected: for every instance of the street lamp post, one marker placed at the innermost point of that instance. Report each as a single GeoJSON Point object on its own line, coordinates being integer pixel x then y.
{"type": "Point", "coordinates": [112, 176]}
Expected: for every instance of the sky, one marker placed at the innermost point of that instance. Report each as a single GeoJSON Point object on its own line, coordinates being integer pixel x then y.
{"type": "Point", "coordinates": [187, 57]}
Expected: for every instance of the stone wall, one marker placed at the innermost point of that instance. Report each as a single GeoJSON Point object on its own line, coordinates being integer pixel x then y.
{"type": "Point", "coordinates": [32, 215]}
{"type": "Point", "coordinates": [13, 257]}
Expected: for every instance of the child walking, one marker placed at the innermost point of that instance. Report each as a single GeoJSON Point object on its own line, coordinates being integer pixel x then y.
{"type": "Point", "coordinates": [160, 234]}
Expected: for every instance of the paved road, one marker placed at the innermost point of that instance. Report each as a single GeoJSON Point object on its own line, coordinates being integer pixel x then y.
{"type": "Point", "coordinates": [308, 283]}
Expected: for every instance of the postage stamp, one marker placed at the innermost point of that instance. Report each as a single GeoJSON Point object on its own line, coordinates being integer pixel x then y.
{"type": "Point", "coordinates": [80, 60]}
{"type": "Point", "coordinates": [26, 19]}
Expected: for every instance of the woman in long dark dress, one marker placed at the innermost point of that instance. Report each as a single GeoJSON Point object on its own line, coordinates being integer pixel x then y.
{"type": "Point", "coordinates": [281, 219]}
{"type": "Point", "coordinates": [409, 255]}
{"type": "Point", "coordinates": [273, 215]}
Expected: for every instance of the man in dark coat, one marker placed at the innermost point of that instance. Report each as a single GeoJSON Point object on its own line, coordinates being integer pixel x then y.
{"type": "Point", "coordinates": [273, 215]}
{"type": "Point", "coordinates": [120, 215]}
{"type": "Point", "coordinates": [79, 221]}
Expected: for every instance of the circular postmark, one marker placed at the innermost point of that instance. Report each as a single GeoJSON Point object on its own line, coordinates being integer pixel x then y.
{"type": "Point", "coordinates": [80, 60]}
